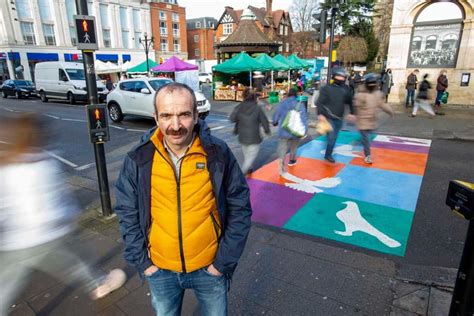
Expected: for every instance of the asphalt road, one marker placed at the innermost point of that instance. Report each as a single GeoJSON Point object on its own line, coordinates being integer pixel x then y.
{"type": "Point", "coordinates": [437, 235]}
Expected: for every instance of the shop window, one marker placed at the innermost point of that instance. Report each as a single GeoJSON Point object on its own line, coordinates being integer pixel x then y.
{"type": "Point", "coordinates": [436, 36]}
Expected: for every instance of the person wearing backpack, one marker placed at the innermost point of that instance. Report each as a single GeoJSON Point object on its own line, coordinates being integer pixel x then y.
{"type": "Point", "coordinates": [367, 102]}
{"type": "Point", "coordinates": [422, 98]}
{"type": "Point", "coordinates": [286, 140]}
{"type": "Point", "coordinates": [248, 116]}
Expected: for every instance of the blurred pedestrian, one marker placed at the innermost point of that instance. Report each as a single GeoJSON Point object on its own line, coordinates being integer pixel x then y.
{"type": "Point", "coordinates": [387, 83]}
{"type": "Point", "coordinates": [285, 139]}
{"type": "Point", "coordinates": [333, 99]}
{"type": "Point", "coordinates": [109, 84]}
{"type": "Point", "coordinates": [248, 116]}
{"type": "Point", "coordinates": [367, 102]}
{"type": "Point", "coordinates": [441, 86]}
{"type": "Point", "coordinates": [423, 97]}
{"type": "Point", "coordinates": [36, 214]}
{"type": "Point", "coordinates": [183, 206]}
{"type": "Point", "coordinates": [411, 86]}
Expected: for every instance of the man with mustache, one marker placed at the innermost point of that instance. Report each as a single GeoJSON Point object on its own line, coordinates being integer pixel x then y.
{"type": "Point", "coordinates": [183, 207]}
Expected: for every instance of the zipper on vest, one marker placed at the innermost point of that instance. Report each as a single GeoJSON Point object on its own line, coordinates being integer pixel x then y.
{"type": "Point", "coordinates": [216, 227]}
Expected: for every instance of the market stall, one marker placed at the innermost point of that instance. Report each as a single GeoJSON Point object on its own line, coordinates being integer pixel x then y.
{"type": "Point", "coordinates": [183, 72]}
{"type": "Point", "coordinates": [142, 68]}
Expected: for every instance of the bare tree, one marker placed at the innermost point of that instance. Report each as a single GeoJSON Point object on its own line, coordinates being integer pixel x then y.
{"type": "Point", "coordinates": [301, 13]}
{"type": "Point", "coordinates": [352, 49]}
{"type": "Point", "coordinates": [303, 44]}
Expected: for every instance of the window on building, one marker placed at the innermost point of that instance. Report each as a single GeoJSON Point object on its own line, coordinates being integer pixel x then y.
{"type": "Point", "coordinates": [176, 45]}
{"type": "Point", "coordinates": [211, 25]}
{"type": "Point", "coordinates": [197, 52]}
{"type": "Point", "coordinates": [281, 31]}
{"type": "Point", "coordinates": [106, 36]}
{"type": "Point", "coordinates": [162, 15]}
{"type": "Point", "coordinates": [434, 23]}
{"type": "Point", "coordinates": [137, 39]}
{"type": "Point", "coordinates": [175, 17]}
{"type": "Point", "coordinates": [280, 49]}
{"type": "Point", "coordinates": [104, 15]}
{"type": "Point", "coordinates": [28, 33]}
{"type": "Point", "coordinates": [73, 33]}
{"type": "Point", "coordinates": [287, 47]}
{"type": "Point", "coordinates": [196, 38]}
{"type": "Point", "coordinates": [48, 31]}
{"type": "Point", "coordinates": [124, 18]}
{"type": "Point", "coordinates": [227, 28]}
{"type": "Point", "coordinates": [90, 7]}
{"type": "Point", "coordinates": [175, 29]}
{"type": "Point", "coordinates": [286, 30]}
{"type": "Point", "coordinates": [45, 9]}
{"type": "Point", "coordinates": [164, 44]}
{"type": "Point", "coordinates": [163, 28]}
{"type": "Point", "coordinates": [126, 39]}
{"type": "Point", "coordinates": [198, 25]}
{"type": "Point", "coordinates": [23, 9]}
{"type": "Point", "coordinates": [136, 20]}
{"type": "Point", "coordinates": [71, 10]}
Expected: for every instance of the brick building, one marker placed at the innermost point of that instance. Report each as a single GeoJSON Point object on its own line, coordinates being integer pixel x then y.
{"type": "Point", "coordinates": [201, 38]}
{"type": "Point", "coordinates": [168, 25]}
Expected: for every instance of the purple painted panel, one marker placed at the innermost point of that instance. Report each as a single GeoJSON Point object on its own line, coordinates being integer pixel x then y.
{"type": "Point", "coordinates": [274, 204]}
{"type": "Point", "coordinates": [401, 147]}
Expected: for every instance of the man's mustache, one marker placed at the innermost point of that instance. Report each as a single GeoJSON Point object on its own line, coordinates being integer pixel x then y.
{"type": "Point", "coordinates": [179, 132]}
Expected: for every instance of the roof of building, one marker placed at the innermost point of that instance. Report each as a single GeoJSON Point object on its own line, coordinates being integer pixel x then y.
{"type": "Point", "coordinates": [260, 15]}
{"type": "Point", "coordinates": [204, 23]}
{"type": "Point", "coordinates": [247, 33]}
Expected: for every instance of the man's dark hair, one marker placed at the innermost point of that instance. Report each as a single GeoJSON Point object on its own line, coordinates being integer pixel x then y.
{"type": "Point", "coordinates": [172, 87]}
{"type": "Point", "coordinates": [292, 92]}
{"type": "Point", "coordinates": [249, 94]}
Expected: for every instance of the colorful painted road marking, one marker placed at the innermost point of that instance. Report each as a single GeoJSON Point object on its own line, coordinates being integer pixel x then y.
{"type": "Point", "coordinates": [370, 206]}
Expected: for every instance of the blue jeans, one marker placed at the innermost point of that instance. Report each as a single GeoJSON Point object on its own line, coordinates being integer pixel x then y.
{"type": "Point", "coordinates": [332, 136]}
{"type": "Point", "coordinates": [410, 97]}
{"type": "Point", "coordinates": [167, 291]}
{"type": "Point", "coordinates": [365, 135]}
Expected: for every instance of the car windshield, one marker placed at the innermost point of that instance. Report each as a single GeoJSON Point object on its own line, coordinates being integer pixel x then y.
{"type": "Point", "coordinates": [23, 83]}
{"type": "Point", "coordinates": [76, 74]}
{"type": "Point", "coordinates": [156, 84]}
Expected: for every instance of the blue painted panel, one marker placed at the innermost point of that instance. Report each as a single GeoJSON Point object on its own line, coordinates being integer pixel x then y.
{"type": "Point", "coordinates": [314, 148]}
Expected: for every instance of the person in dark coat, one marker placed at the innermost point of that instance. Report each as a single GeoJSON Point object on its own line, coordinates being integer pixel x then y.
{"type": "Point", "coordinates": [441, 86]}
{"type": "Point", "coordinates": [412, 82]}
{"type": "Point", "coordinates": [248, 116]}
{"type": "Point", "coordinates": [387, 83]}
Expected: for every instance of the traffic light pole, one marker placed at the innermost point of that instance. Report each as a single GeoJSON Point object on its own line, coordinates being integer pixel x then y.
{"type": "Point", "coordinates": [331, 41]}
{"type": "Point", "coordinates": [99, 152]}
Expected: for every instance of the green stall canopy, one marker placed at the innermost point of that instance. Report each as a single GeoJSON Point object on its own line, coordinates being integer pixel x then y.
{"type": "Point", "coordinates": [141, 68]}
{"type": "Point", "coordinates": [295, 59]}
{"type": "Point", "coordinates": [289, 62]}
{"type": "Point", "coordinates": [240, 63]}
{"type": "Point", "coordinates": [271, 63]}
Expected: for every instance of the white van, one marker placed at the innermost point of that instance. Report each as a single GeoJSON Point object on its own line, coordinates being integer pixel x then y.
{"type": "Point", "coordinates": [64, 80]}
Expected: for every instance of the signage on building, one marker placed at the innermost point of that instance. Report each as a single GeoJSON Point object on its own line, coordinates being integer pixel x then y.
{"type": "Point", "coordinates": [86, 32]}
{"type": "Point", "coordinates": [3, 56]}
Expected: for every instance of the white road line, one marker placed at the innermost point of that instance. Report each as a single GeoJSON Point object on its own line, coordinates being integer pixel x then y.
{"type": "Point", "coordinates": [10, 110]}
{"type": "Point", "coordinates": [52, 116]}
{"type": "Point", "coordinates": [65, 161]}
{"type": "Point", "coordinates": [84, 167]}
{"type": "Point", "coordinates": [219, 127]}
{"type": "Point", "coordinates": [136, 130]}
{"type": "Point", "coordinates": [73, 120]}
{"type": "Point", "coordinates": [117, 127]}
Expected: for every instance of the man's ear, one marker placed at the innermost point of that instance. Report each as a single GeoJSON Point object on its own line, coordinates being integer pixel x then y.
{"type": "Point", "coordinates": [155, 116]}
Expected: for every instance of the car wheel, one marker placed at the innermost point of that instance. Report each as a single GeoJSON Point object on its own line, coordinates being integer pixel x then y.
{"type": "Point", "coordinates": [17, 95]}
{"type": "Point", "coordinates": [70, 98]}
{"type": "Point", "coordinates": [4, 95]}
{"type": "Point", "coordinates": [43, 97]}
{"type": "Point", "coordinates": [115, 112]}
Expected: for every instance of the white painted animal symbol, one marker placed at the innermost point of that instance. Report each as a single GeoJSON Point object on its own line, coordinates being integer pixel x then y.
{"type": "Point", "coordinates": [354, 222]}
{"type": "Point", "coordinates": [309, 186]}
{"type": "Point", "coordinates": [344, 150]}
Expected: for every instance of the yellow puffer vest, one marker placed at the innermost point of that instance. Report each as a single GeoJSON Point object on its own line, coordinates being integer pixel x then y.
{"type": "Point", "coordinates": [185, 225]}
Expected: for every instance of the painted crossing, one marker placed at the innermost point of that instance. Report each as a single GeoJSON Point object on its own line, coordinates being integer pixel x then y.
{"type": "Point", "coordinates": [370, 206]}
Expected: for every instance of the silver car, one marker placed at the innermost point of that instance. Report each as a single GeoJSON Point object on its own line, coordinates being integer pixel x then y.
{"type": "Point", "coordinates": [135, 96]}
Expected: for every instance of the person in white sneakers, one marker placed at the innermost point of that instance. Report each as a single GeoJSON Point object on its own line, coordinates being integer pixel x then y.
{"type": "Point", "coordinates": [367, 102]}
{"type": "Point", "coordinates": [36, 213]}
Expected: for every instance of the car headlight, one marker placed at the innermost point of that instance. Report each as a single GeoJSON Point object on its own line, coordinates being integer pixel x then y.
{"type": "Point", "coordinates": [23, 90]}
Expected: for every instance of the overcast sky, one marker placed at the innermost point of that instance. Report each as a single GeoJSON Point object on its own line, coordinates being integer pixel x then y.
{"type": "Point", "coordinates": [215, 8]}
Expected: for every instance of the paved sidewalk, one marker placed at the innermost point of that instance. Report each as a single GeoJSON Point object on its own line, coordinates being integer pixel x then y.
{"type": "Point", "coordinates": [281, 272]}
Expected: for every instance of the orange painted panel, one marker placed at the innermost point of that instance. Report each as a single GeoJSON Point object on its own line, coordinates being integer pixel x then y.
{"type": "Point", "coordinates": [394, 160]}
{"type": "Point", "coordinates": [305, 168]}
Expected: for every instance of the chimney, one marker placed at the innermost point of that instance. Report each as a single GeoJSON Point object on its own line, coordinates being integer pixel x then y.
{"type": "Point", "coordinates": [269, 7]}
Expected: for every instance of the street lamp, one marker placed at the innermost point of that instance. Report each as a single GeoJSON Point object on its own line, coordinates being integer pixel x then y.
{"type": "Point", "coordinates": [146, 43]}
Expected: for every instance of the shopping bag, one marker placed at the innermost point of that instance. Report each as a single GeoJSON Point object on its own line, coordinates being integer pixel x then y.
{"type": "Point", "coordinates": [293, 123]}
{"type": "Point", "coordinates": [323, 127]}
{"type": "Point", "coordinates": [444, 97]}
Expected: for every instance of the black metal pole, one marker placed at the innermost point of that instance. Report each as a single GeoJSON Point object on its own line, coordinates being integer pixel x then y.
{"type": "Point", "coordinates": [99, 152]}
{"type": "Point", "coordinates": [331, 41]}
{"type": "Point", "coordinates": [462, 303]}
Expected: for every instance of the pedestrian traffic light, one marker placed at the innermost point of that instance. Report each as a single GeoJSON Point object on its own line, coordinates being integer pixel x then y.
{"type": "Point", "coordinates": [320, 26]}
{"type": "Point", "coordinates": [86, 32]}
{"type": "Point", "coordinates": [98, 123]}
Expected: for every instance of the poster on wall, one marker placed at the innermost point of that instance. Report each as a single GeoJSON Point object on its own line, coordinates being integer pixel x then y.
{"type": "Point", "coordinates": [434, 46]}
